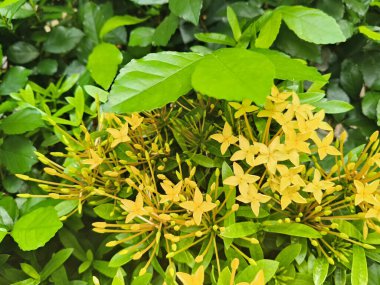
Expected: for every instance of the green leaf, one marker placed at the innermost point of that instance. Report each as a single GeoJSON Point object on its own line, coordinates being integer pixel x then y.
{"type": "Point", "coordinates": [291, 69]}
{"type": "Point", "coordinates": [333, 106]}
{"type": "Point", "coordinates": [22, 121]}
{"type": "Point", "coordinates": [165, 30]}
{"type": "Point", "coordinates": [369, 33]}
{"type": "Point", "coordinates": [292, 229]}
{"type": "Point", "coordinates": [215, 38]}
{"type": "Point", "coordinates": [359, 270]}
{"type": "Point", "coordinates": [370, 68]}
{"type": "Point", "coordinates": [267, 265]}
{"type": "Point", "coordinates": [17, 154]}
{"type": "Point", "coordinates": [30, 271]}
{"type": "Point", "coordinates": [288, 254]}
{"type": "Point", "coordinates": [62, 39]}
{"type": "Point", "coordinates": [340, 276]}
{"type": "Point", "coordinates": [47, 67]}
{"type": "Point", "coordinates": [119, 21]}
{"type": "Point", "coordinates": [320, 270]}
{"type": "Point", "coordinates": [151, 82]}
{"type": "Point", "coordinates": [120, 259]}
{"type": "Point", "coordinates": [188, 10]}
{"type": "Point", "coordinates": [150, 2]}
{"type": "Point", "coordinates": [65, 207]}
{"type": "Point", "coordinates": [348, 229]}
{"type": "Point", "coordinates": [106, 211]}
{"type": "Point", "coordinates": [15, 79]}
{"type": "Point", "coordinates": [269, 31]}
{"type": "Point", "coordinates": [312, 25]}
{"type": "Point", "coordinates": [234, 23]}
{"type": "Point", "coordinates": [69, 240]}
{"type": "Point", "coordinates": [141, 37]}
{"type": "Point", "coordinates": [369, 104]}
{"type": "Point", "coordinates": [232, 74]}
{"type": "Point", "coordinates": [239, 230]}
{"type": "Point", "coordinates": [22, 52]}
{"type": "Point", "coordinates": [68, 83]}
{"type": "Point", "coordinates": [55, 262]}
{"type": "Point", "coordinates": [36, 228]}
{"type": "Point", "coordinates": [3, 233]}
{"type": "Point", "coordinates": [310, 97]}
{"type": "Point", "coordinates": [103, 267]}
{"type": "Point", "coordinates": [142, 280]}
{"type": "Point", "coordinates": [103, 63]}
{"type": "Point", "coordinates": [119, 278]}
{"type": "Point", "coordinates": [224, 277]}
{"type": "Point", "coordinates": [96, 92]}
{"type": "Point", "coordinates": [203, 160]}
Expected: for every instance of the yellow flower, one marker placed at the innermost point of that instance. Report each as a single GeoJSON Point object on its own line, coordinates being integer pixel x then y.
{"type": "Point", "coordinates": [259, 279]}
{"type": "Point", "coordinates": [300, 110]}
{"type": "Point", "coordinates": [243, 108]}
{"type": "Point", "coordinates": [94, 161]}
{"type": "Point", "coordinates": [296, 143]}
{"type": "Point", "coordinates": [291, 194]}
{"type": "Point", "coordinates": [313, 123]}
{"type": "Point", "coordinates": [289, 176]}
{"type": "Point", "coordinates": [374, 212]}
{"type": "Point", "coordinates": [196, 279]}
{"type": "Point", "coordinates": [317, 185]}
{"type": "Point", "coordinates": [134, 208]}
{"type": "Point", "coordinates": [365, 192]}
{"type": "Point", "coordinates": [271, 155]}
{"type": "Point", "coordinates": [240, 178]}
{"type": "Point", "coordinates": [119, 136]}
{"type": "Point", "coordinates": [324, 146]}
{"type": "Point", "coordinates": [172, 191]}
{"type": "Point", "coordinates": [251, 195]}
{"type": "Point", "coordinates": [277, 96]}
{"type": "Point", "coordinates": [247, 151]}
{"type": "Point", "coordinates": [272, 110]}
{"type": "Point", "coordinates": [226, 138]}
{"type": "Point", "coordinates": [198, 206]}
{"type": "Point", "coordinates": [134, 121]}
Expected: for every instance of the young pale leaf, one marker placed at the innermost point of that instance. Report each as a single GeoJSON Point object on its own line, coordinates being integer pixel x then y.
{"type": "Point", "coordinates": [234, 23]}
{"type": "Point", "coordinates": [189, 10]}
{"type": "Point", "coordinates": [119, 21]}
{"type": "Point", "coordinates": [96, 92]}
{"type": "Point", "coordinates": [292, 229]}
{"type": "Point", "coordinates": [215, 38]}
{"type": "Point", "coordinates": [165, 30]}
{"type": "Point", "coordinates": [30, 271]}
{"type": "Point", "coordinates": [312, 25]}
{"type": "Point", "coordinates": [240, 230]}
{"type": "Point", "coordinates": [22, 121]}
{"type": "Point", "coordinates": [3, 233]}
{"type": "Point", "coordinates": [269, 31]}
{"type": "Point", "coordinates": [224, 277]}
{"type": "Point", "coordinates": [119, 278]}
{"type": "Point", "coordinates": [359, 270]}
{"type": "Point", "coordinates": [320, 270]}
{"type": "Point", "coordinates": [234, 74]}
{"type": "Point", "coordinates": [291, 69]}
{"type": "Point", "coordinates": [369, 33]}
{"type": "Point", "coordinates": [55, 262]}
{"type": "Point", "coordinates": [333, 106]}
{"type": "Point", "coordinates": [142, 280]}
{"type": "Point", "coordinates": [348, 228]}
{"type": "Point", "coordinates": [103, 63]}
{"type": "Point", "coordinates": [288, 254]}
{"type": "Point", "coordinates": [17, 154]}
{"type": "Point", "coordinates": [36, 228]}
{"type": "Point", "coordinates": [152, 81]}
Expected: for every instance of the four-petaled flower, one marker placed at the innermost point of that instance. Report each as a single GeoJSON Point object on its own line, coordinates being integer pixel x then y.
{"type": "Point", "coordinates": [251, 195]}
{"type": "Point", "coordinates": [247, 151]}
{"type": "Point", "coordinates": [134, 121]}
{"type": "Point", "coordinates": [243, 108]}
{"type": "Point", "coordinates": [240, 179]}
{"type": "Point", "coordinates": [94, 161]}
{"type": "Point", "coordinates": [271, 154]}
{"type": "Point", "coordinates": [119, 136]}
{"type": "Point", "coordinates": [172, 191]}
{"type": "Point", "coordinates": [324, 146]}
{"type": "Point", "coordinates": [291, 194]}
{"type": "Point", "coordinates": [134, 208]}
{"type": "Point", "coordinates": [195, 279]}
{"type": "Point", "coordinates": [365, 192]}
{"type": "Point", "coordinates": [226, 138]}
{"type": "Point", "coordinates": [317, 185]}
{"type": "Point", "coordinates": [198, 206]}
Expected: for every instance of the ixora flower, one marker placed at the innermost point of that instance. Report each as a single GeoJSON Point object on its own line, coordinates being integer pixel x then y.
{"type": "Point", "coordinates": [198, 206]}
{"type": "Point", "coordinates": [225, 138]}
{"type": "Point", "coordinates": [196, 279]}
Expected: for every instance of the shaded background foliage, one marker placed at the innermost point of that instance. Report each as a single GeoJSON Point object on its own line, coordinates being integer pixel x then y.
{"type": "Point", "coordinates": [49, 48]}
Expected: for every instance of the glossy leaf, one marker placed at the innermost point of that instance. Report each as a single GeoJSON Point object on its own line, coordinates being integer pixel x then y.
{"type": "Point", "coordinates": [269, 31]}
{"type": "Point", "coordinates": [152, 82]}
{"type": "Point", "coordinates": [267, 265]}
{"type": "Point", "coordinates": [62, 39]}
{"type": "Point", "coordinates": [22, 121]}
{"type": "Point", "coordinates": [292, 229]}
{"type": "Point", "coordinates": [119, 21]}
{"type": "Point", "coordinates": [165, 30]}
{"type": "Point", "coordinates": [141, 36]}
{"type": "Point", "coordinates": [234, 23]}
{"type": "Point", "coordinates": [103, 63]}
{"type": "Point", "coordinates": [333, 106]}
{"type": "Point", "coordinates": [22, 52]}
{"type": "Point", "coordinates": [320, 270]}
{"type": "Point", "coordinates": [359, 270]}
{"type": "Point", "coordinates": [96, 93]}
{"type": "Point", "coordinates": [118, 279]}
{"type": "Point", "coordinates": [233, 74]}
{"type": "Point", "coordinates": [215, 38]}
{"type": "Point", "coordinates": [55, 262]}
{"type": "Point", "coordinates": [312, 25]}
{"type": "Point", "coordinates": [239, 230]}
{"type": "Point", "coordinates": [288, 254]}
{"type": "Point", "coordinates": [188, 10]}
{"type": "Point", "coordinates": [36, 228]}
{"type": "Point", "coordinates": [365, 30]}
{"type": "Point", "coordinates": [15, 79]}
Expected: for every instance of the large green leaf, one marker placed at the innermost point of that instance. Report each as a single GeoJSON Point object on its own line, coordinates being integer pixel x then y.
{"type": "Point", "coordinates": [152, 81]}
{"type": "Point", "coordinates": [359, 270]}
{"type": "Point", "coordinates": [17, 154]}
{"type": "Point", "coordinates": [62, 39]}
{"type": "Point", "coordinates": [189, 10]}
{"type": "Point", "coordinates": [22, 121]}
{"type": "Point", "coordinates": [312, 25]}
{"type": "Point", "coordinates": [292, 229]}
{"type": "Point", "coordinates": [234, 74]}
{"type": "Point", "coordinates": [239, 230]}
{"type": "Point", "coordinates": [36, 228]}
{"type": "Point", "coordinates": [118, 21]}
{"type": "Point", "coordinates": [22, 52]}
{"type": "Point", "coordinates": [291, 69]}
{"type": "Point", "coordinates": [103, 63]}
